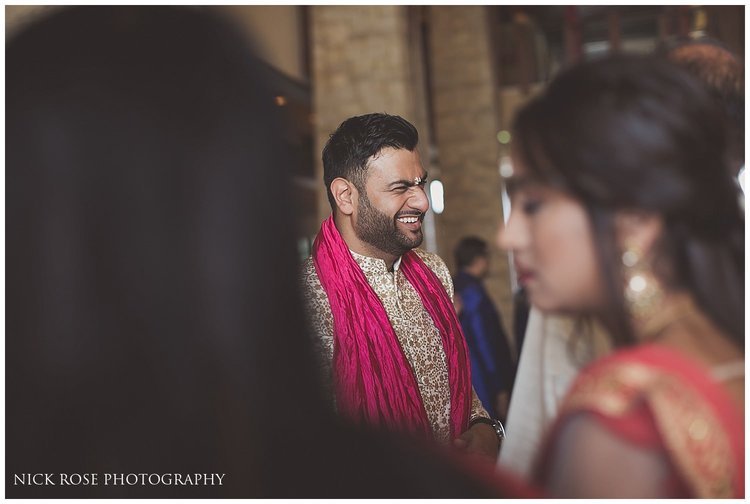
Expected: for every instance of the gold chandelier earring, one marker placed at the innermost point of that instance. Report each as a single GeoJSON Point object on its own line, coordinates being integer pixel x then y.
{"type": "Point", "coordinates": [643, 293]}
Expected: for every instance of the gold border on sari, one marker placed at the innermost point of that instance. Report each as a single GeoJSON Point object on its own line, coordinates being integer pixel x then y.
{"type": "Point", "coordinates": [696, 444]}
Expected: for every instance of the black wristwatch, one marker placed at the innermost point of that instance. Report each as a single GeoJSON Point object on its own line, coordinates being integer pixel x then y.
{"type": "Point", "coordinates": [495, 424]}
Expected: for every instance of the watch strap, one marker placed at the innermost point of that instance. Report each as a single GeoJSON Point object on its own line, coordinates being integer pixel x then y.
{"type": "Point", "coordinates": [497, 425]}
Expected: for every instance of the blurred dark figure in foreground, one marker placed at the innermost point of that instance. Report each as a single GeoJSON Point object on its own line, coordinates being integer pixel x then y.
{"type": "Point", "coordinates": [630, 218]}
{"type": "Point", "coordinates": [492, 367]}
{"type": "Point", "coordinates": [723, 74]}
{"type": "Point", "coordinates": [153, 319]}
{"type": "Point", "coordinates": [142, 151]}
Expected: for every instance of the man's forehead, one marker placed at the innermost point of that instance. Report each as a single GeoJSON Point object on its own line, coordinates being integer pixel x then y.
{"type": "Point", "coordinates": [396, 164]}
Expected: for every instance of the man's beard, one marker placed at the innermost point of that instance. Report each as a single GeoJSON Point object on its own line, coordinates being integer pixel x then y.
{"type": "Point", "coordinates": [377, 229]}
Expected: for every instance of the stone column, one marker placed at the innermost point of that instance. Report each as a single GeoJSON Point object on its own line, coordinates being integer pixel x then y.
{"type": "Point", "coordinates": [362, 62]}
{"type": "Point", "coordinates": [466, 126]}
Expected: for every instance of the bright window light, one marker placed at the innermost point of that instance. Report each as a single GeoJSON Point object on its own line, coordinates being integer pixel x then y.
{"type": "Point", "coordinates": [505, 200]}
{"type": "Point", "coordinates": [506, 167]}
{"type": "Point", "coordinates": [436, 196]}
{"type": "Point", "coordinates": [741, 178]}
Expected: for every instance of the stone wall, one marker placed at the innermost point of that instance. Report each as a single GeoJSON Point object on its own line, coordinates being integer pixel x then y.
{"type": "Point", "coordinates": [466, 125]}
{"type": "Point", "coordinates": [276, 33]}
{"type": "Point", "coordinates": [17, 17]}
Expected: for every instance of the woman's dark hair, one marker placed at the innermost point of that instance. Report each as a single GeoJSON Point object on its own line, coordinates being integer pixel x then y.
{"type": "Point", "coordinates": [356, 140]}
{"type": "Point", "coordinates": [638, 133]}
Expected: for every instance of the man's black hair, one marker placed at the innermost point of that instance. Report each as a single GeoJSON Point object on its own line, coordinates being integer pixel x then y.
{"type": "Point", "coordinates": [468, 250]}
{"type": "Point", "coordinates": [359, 138]}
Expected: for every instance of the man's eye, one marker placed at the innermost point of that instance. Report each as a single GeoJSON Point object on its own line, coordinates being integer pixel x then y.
{"type": "Point", "coordinates": [400, 189]}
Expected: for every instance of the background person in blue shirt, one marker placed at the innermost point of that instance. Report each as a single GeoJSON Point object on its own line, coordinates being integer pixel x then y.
{"type": "Point", "coordinates": [492, 366]}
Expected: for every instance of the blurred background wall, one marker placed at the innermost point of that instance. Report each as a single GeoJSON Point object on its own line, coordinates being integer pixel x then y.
{"type": "Point", "coordinates": [458, 73]}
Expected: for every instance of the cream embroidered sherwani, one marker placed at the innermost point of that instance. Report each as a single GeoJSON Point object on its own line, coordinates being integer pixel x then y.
{"type": "Point", "coordinates": [418, 336]}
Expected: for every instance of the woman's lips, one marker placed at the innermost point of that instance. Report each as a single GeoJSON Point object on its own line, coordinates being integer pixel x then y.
{"type": "Point", "coordinates": [523, 274]}
{"type": "Point", "coordinates": [525, 278]}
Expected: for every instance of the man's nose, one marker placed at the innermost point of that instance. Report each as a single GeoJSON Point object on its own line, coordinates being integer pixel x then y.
{"type": "Point", "coordinates": [418, 199]}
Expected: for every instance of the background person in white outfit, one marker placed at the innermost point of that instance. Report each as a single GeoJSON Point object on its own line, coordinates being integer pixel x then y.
{"type": "Point", "coordinates": [548, 362]}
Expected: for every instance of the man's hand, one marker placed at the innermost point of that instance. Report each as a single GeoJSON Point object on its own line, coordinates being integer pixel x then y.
{"type": "Point", "coordinates": [479, 440]}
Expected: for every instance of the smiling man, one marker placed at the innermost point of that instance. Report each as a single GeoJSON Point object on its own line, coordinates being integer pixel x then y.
{"type": "Point", "coordinates": [392, 347]}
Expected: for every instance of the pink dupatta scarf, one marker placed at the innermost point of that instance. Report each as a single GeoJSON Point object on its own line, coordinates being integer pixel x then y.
{"type": "Point", "coordinates": [374, 383]}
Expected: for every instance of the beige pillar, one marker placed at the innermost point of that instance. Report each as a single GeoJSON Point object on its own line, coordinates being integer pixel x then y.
{"type": "Point", "coordinates": [466, 127]}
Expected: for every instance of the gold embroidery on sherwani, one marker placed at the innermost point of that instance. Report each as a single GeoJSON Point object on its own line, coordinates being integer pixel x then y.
{"type": "Point", "coordinates": [418, 336]}
{"type": "Point", "coordinates": [698, 447]}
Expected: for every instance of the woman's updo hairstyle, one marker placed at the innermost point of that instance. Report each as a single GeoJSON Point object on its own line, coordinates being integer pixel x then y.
{"type": "Point", "coordinates": [638, 133]}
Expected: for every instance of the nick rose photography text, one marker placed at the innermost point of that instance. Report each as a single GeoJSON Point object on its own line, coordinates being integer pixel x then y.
{"type": "Point", "coordinates": [117, 479]}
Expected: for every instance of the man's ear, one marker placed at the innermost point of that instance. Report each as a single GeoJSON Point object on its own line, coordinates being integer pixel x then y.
{"type": "Point", "coordinates": [638, 230]}
{"type": "Point", "coordinates": [345, 194]}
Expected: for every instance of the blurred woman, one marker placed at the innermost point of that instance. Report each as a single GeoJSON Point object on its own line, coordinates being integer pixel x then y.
{"type": "Point", "coordinates": [623, 211]}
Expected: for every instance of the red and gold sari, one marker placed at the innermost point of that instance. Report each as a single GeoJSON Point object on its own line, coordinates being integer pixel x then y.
{"type": "Point", "coordinates": [656, 398]}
